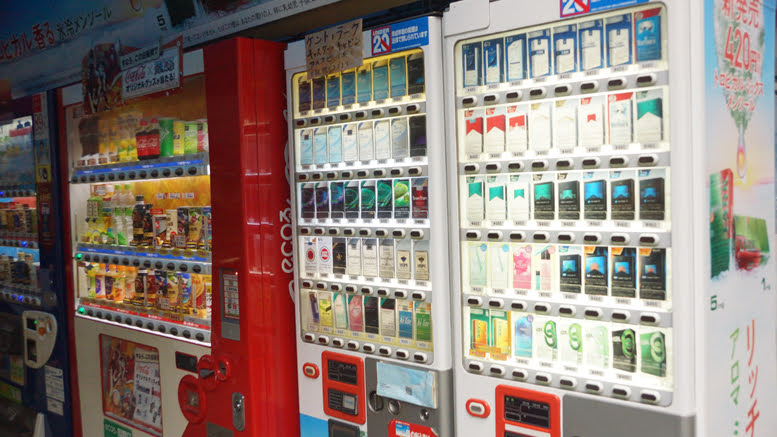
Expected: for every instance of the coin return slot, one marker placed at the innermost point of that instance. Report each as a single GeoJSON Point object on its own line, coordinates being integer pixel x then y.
{"type": "Point", "coordinates": [647, 160]}
{"type": "Point", "coordinates": [497, 370]}
{"type": "Point", "coordinates": [620, 316]}
{"type": "Point", "coordinates": [537, 93]}
{"type": "Point", "coordinates": [539, 165]}
{"type": "Point", "coordinates": [591, 162]}
{"type": "Point", "coordinates": [520, 306]}
{"type": "Point", "coordinates": [562, 90]}
{"type": "Point", "coordinates": [646, 80]}
{"type": "Point", "coordinates": [648, 319]}
{"type": "Point", "coordinates": [592, 238]}
{"type": "Point", "coordinates": [513, 95]}
{"type": "Point", "coordinates": [541, 308]}
{"type": "Point", "coordinates": [589, 87]}
{"type": "Point", "coordinates": [616, 83]}
{"type": "Point", "coordinates": [475, 367]}
{"type": "Point", "coordinates": [618, 161]}
{"type": "Point", "coordinates": [474, 301]}
{"type": "Point", "coordinates": [414, 171]}
{"type": "Point", "coordinates": [494, 235]}
{"type": "Point", "coordinates": [471, 168]}
{"type": "Point", "coordinates": [566, 311]}
{"type": "Point", "coordinates": [515, 166]}
{"type": "Point", "coordinates": [517, 236]}
{"type": "Point", "coordinates": [648, 240]}
{"type": "Point", "coordinates": [468, 101]}
{"type": "Point", "coordinates": [491, 98]}
{"type": "Point", "coordinates": [565, 238]}
{"type": "Point", "coordinates": [540, 237]}
{"type": "Point", "coordinates": [493, 167]}
{"type": "Point", "coordinates": [495, 303]}
{"type": "Point", "coordinates": [593, 313]}
{"type": "Point", "coordinates": [394, 110]}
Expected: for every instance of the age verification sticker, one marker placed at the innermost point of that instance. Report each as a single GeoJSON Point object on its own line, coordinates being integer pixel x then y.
{"type": "Point", "coordinates": [404, 429]}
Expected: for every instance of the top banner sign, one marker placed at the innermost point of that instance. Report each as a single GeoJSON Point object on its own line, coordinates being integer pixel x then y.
{"type": "Point", "coordinates": [570, 8]}
{"type": "Point", "coordinates": [37, 45]}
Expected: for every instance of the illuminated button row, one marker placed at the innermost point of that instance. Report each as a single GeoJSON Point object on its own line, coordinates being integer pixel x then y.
{"type": "Point", "coordinates": [188, 333]}
{"type": "Point", "coordinates": [367, 348]}
{"type": "Point", "coordinates": [147, 262]}
{"type": "Point", "coordinates": [567, 382]}
{"type": "Point", "coordinates": [20, 298]}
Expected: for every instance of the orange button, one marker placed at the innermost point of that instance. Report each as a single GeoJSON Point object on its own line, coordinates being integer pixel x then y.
{"type": "Point", "coordinates": [478, 408]}
{"type": "Point", "coordinates": [42, 330]}
{"type": "Point", "coordinates": [310, 370]}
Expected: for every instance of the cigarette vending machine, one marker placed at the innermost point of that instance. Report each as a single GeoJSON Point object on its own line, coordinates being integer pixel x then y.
{"type": "Point", "coordinates": [611, 195]}
{"type": "Point", "coordinates": [176, 209]}
{"type": "Point", "coordinates": [34, 355]}
{"type": "Point", "coordinates": [368, 169]}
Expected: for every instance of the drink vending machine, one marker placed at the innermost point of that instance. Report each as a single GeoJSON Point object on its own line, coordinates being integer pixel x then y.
{"type": "Point", "coordinates": [177, 205]}
{"type": "Point", "coordinates": [34, 354]}
{"type": "Point", "coordinates": [611, 192]}
{"type": "Point", "coordinates": [368, 168]}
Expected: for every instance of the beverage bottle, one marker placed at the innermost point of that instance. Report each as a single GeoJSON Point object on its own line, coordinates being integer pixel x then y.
{"type": "Point", "coordinates": [100, 281]}
{"type": "Point", "coordinates": [109, 235]}
{"type": "Point", "coordinates": [138, 214]}
{"type": "Point", "coordinates": [127, 203]}
{"type": "Point", "coordinates": [118, 216]}
{"type": "Point", "coordinates": [153, 147]}
{"type": "Point", "coordinates": [119, 283]}
{"type": "Point", "coordinates": [141, 137]}
{"type": "Point", "coordinates": [132, 128]}
{"type": "Point", "coordinates": [129, 284]}
{"type": "Point", "coordinates": [91, 280]}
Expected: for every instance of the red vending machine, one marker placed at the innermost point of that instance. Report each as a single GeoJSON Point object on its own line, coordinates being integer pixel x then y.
{"type": "Point", "coordinates": [183, 319]}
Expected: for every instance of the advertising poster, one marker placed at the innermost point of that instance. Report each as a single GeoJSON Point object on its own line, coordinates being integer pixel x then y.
{"type": "Point", "coordinates": [130, 384]}
{"type": "Point", "coordinates": [741, 304]}
{"type": "Point", "coordinates": [37, 45]}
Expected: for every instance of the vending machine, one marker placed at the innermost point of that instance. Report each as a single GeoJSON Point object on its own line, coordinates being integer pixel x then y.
{"type": "Point", "coordinates": [35, 395]}
{"type": "Point", "coordinates": [611, 192]}
{"type": "Point", "coordinates": [182, 315]}
{"type": "Point", "coordinates": [368, 206]}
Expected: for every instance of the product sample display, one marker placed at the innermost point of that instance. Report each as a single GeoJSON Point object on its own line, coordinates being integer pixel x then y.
{"type": "Point", "coordinates": [369, 216]}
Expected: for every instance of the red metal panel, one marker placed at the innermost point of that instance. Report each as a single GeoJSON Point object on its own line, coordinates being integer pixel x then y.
{"type": "Point", "coordinates": [245, 85]}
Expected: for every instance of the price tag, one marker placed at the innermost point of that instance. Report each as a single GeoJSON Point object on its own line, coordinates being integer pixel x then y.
{"type": "Point", "coordinates": [334, 49]}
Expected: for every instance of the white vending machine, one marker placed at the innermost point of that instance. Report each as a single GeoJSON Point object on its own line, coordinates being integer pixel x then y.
{"type": "Point", "coordinates": [611, 174]}
{"type": "Point", "coordinates": [368, 178]}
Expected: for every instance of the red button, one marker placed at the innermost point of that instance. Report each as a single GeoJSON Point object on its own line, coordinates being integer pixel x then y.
{"type": "Point", "coordinates": [310, 370]}
{"type": "Point", "coordinates": [478, 408]}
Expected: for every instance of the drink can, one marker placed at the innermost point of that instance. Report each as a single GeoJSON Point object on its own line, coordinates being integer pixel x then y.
{"type": "Point", "coordinates": [202, 136]}
{"type": "Point", "coordinates": [178, 148]}
{"type": "Point", "coordinates": [141, 280]}
{"type": "Point", "coordinates": [160, 230]}
{"type": "Point", "coordinates": [179, 240]}
{"type": "Point", "coordinates": [198, 295]}
{"type": "Point", "coordinates": [194, 233]}
{"type": "Point", "coordinates": [189, 137]}
{"type": "Point", "coordinates": [166, 137]}
{"type": "Point", "coordinates": [172, 226]}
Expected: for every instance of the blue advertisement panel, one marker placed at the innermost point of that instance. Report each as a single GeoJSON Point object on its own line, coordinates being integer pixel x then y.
{"type": "Point", "coordinates": [740, 300]}
{"type": "Point", "coordinates": [41, 47]}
